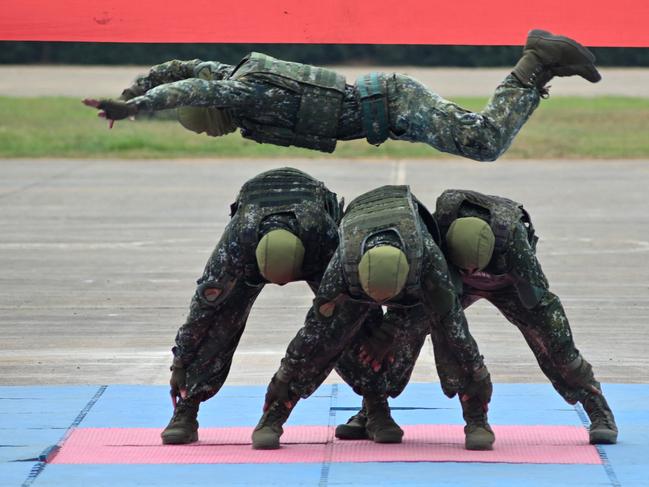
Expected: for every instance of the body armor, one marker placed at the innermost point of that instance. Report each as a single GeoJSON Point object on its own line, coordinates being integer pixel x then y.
{"type": "Point", "coordinates": [388, 208]}
{"type": "Point", "coordinates": [321, 93]}
{"type": "Point", "coordinates": [503, 217]}
{"type": "Point", "coordinates": [287, 190]}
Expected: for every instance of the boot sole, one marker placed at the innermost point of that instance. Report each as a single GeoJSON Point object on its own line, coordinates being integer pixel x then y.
{"type": "Point", "coordinates": [603, 438]}
{"type": "Point", "coordinates": [386, 439]}
{"type": "Point", "coordinates": [345, 432]}
{"type": "Point", "coordinates": [179, 440]}
{"type": "Point", "coordinates": [479, 446]}
{"type": "Point", "coordinates": [269, 446]}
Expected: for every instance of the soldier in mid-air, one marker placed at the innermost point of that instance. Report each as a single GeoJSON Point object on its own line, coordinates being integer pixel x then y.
{"type": "Point", "coordinates": [291, 104]}
{"type": "Point", "coordinates": [386, 257]}
{"type": "Point", "coordinates": [284, 228]}
{"type": "Point", "coordinates": [490, 245]}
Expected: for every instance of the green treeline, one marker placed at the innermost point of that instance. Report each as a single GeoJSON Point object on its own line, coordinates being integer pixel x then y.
{"type": "Point", "coordinates": [149, 54]}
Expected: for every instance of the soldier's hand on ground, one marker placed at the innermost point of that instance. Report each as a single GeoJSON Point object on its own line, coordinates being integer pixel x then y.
{"type": "Point", "coordinates": [582, 376]}
{"type": "Point", "coordinates": [178, 381]}
{"type": "Point", "coordinates": [278, 391]}
{"type": "Point", "coordinates": [375, 351]}
{"type": "Point", "coordinates": [111, 109]}
{"type": "Point", "coordinates": [480, 387]}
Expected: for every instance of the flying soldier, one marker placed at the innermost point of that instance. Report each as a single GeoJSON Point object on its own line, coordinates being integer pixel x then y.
{"type": "Point", "coordinates": [290, 104]}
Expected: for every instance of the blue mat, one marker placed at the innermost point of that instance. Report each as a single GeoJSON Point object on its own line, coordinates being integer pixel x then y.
{"type": "Point", "coordinates": [35, 419]}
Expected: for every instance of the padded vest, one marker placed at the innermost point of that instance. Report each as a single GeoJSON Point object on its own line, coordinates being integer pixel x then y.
{"type": "Point", "coordinates": [503, 215]}
{"type": "Point", "coordinates": [286, 190]}
{"type": "Point", "coordinates": [321, 93]}
{"type": "Point", "coordinates": [383, 209]}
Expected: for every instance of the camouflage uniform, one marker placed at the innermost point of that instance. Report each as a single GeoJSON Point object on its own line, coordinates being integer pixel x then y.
{"type": "Point", "coordinates": [281, 198]}
{"type": "Point", "coordinates": [513, 282]}
{"type": "Point", "coordinates": [331, 330]}
{"type": "Point", "coordinates": [286, 103]}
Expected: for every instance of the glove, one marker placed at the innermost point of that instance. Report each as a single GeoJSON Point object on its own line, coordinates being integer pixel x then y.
{"type": "Point", "coordinates": [117, 110]}
{"type": "Point", "coordinates": [278, 391]}
{"type": "Point", "coordinates": [377, 347]}
{"type": "Point", "coordinates": [479, 387]}
{"type": "Point", "coordinates": [112, 109]}
{"type": "Point", "coordinates": [579, 374]}
{"type": "Point", "coordinates": [178, 381]}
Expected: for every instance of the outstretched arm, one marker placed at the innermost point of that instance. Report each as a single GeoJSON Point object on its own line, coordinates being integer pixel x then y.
{"type": "Point", "coordinates": [176, 70]}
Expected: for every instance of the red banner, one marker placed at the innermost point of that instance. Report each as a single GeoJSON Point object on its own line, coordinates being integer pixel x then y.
{"type": "Point", "coordinates": [470, 22]}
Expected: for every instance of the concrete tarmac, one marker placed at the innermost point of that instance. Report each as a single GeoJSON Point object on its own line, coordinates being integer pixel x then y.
{"type": "Point", "coordinates": [98, 260]}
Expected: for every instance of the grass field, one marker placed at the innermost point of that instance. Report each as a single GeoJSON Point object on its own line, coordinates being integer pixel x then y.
{"type": "Point", "coordinates": [574, 128]}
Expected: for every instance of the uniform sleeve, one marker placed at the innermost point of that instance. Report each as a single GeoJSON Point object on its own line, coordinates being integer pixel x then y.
{"type": "Point", "coordinates": [529, 280]}
{"type": "Point", "coordinates": [178, 70]}
{"type": "Point", "coordinates": [196, 92]}
{"type": "Point", "coordinates": [447, 314]}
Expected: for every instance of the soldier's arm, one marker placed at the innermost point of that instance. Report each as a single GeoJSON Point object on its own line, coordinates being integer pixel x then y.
{"type": "Point", "coordinates": [176, 70]}
{"type": "Point", "coordinates": [442, 301]}
{"type": "Point", "coordinates": [529, 280]}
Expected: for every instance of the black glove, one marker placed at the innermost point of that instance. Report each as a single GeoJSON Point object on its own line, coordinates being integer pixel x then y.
{"type": "Point", "coordinates": [377, 346]}
{"type": "Point", "coordinates": [178, 381]}
{"type": "Point", "coordinates": [279, 391]}
{"type": "Point", "coordinates": [116, 109]}
{"type": "Point", "coordinates": [479, 387]}
{"type": "Point", "coordinates": [579, 374]}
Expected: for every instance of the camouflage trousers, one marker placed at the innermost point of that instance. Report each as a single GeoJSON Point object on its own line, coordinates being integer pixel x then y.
{"type": "Point", "coordinates": [545, 329]}
{"type": "Point", "coordinates": [419, 115]}
{"type": "Point", "coordinates": [214, 333]}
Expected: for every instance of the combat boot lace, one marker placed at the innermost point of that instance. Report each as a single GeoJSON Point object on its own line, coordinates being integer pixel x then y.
{"type": "Point", "coordinates": [478, 434]}
{"type": "Point", "coordinates": [354, 429]}
{"type": "Point", "coordinates": [269, 429]}
{"type": "Point", "coordinates": [380, 426]}
{"type": "Point", "coordinates": [546, 55]}
{"type": "Point", "coordinates": [603, 430]}
{"type": "Point", "coordinates": [183, 427]}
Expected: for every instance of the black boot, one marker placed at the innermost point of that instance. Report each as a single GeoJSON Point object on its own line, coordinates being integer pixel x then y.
{"type": "Point", "coordinates": [269, 429]}
{"type": "Point", "coordinates": [354, 429]}
{"type": "Point", "coordinates": [603, 430]}
{"type": "Point", "coordinates": [478, 435]}
{"type": "Point", "coordinates": [546, 55]}
{"type": "Point", "coordinates": [183, 427]}
{"type": "Point", "coordinates": [380, 426]}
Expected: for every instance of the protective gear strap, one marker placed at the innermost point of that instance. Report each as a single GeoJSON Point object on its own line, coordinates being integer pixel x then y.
{"type": "Point", "coordinates": [372, 96]}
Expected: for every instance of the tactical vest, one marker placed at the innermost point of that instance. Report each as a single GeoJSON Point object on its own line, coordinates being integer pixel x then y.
{"type": "Point", "coordinates": [388, 208]}
{"type": "Point", "coordinates": [503, 215]}
{"type": "Point", "coordinates": [321, 93]}
{"type": "Point", "coordinates": [286, 190]}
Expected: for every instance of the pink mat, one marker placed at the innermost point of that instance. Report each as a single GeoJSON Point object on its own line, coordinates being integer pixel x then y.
{"type": "Point", "coordinates": [315, 444]}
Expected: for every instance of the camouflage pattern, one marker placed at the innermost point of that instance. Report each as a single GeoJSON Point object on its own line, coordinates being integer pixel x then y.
{"type": "Point", "coordinates": [415, 113]}
{"type": "Point", "coordinates": [544, 325]}
{"type": "Point", "coordinates": [231, 282]}
{"type": "Point", "coordinates": [418, 114]}
{"type": "Point", "coordinates": [334, 326]}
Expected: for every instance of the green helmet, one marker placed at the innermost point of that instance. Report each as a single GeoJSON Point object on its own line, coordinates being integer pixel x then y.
{"type": "Point", "coordinates": [279, 256]}
{"type": "Point", "coordinates": [470, 243]}
{"type": "Point", "coordinates": [383, 271]}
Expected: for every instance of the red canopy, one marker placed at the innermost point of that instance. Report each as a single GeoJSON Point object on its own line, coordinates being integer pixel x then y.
{"type": "Point", "coordinates": [472, 22]}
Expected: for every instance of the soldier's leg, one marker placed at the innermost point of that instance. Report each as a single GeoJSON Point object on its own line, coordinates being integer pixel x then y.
{"type": "Point", "coordinates": [547, 331]}
{"type": "Point", "coordinates": [374, 418]}
{"type": "Point", "coordinates": [327, 343]}
{"type": "Point", "coordinates": [418, 114]}
{"type": "Point", "coordinates": [214, 330]}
